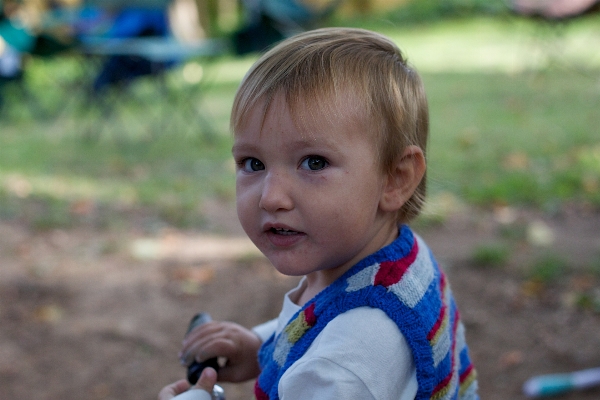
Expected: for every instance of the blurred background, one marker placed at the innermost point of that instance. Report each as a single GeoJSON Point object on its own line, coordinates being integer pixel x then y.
{"type": "Point", "coordinates": [117, 198]}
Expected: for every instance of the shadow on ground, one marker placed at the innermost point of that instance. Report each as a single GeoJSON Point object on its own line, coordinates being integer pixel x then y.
{"type": "Point", "coordinates": [100, 315]}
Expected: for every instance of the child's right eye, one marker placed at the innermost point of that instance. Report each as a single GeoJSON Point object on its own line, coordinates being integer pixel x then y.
{"type": "Point", "coordinates": [251, 164]}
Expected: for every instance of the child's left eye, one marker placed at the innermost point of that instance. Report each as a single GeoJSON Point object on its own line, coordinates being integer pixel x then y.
{"type": "Point", "coordinates": [314, 163]}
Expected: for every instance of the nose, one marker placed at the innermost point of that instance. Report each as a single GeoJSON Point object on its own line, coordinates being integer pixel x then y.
{"type": "Point", "coordinates": [276, 194]}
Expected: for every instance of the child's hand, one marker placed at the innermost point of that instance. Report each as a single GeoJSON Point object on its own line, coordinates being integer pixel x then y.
{"type": "Point", "coordinates": [238, 345]}
{"type": "Point", "coordinates": [207, 381]}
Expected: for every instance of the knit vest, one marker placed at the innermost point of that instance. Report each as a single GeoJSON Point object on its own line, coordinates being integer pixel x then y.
{"type": "Point", "coordinates": [404, 281]}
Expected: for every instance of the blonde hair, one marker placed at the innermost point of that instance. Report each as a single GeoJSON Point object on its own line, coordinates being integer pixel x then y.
{"type": "Point", "coordinates": [315, 67]}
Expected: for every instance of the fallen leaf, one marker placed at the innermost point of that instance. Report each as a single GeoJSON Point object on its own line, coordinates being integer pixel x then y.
{"type": "Point", "coordinates": [511, 359]}
{"type": "Point", "coordinates": [516, 161]}
{"type": "Point", "coordinates": [50, 313]}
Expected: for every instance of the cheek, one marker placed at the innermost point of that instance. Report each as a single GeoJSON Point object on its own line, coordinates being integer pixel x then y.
{"type": "Point", "coordinates": [341, 214]}
{"type": "Point", "coordinates": [358, 203]}
{"type": "Point", "coordinates": [244, 204]}
{"type": "Point", "coordinates": [247, 220]}
{"type": "Point", "coordinates": [360, 190]}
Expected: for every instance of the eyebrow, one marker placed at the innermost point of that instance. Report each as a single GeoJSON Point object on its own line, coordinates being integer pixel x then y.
{"type": "Point", "coordinates": [243, 147]}
{"type": "Point", "coordinates": [302, 142]}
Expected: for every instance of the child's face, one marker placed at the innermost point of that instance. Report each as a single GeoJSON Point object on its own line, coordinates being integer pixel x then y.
{"type": "Point", "coordinates": [309, 199]}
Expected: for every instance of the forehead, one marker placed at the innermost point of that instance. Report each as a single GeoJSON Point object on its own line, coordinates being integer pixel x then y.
{"type": "Point", "coordinates": [308, 114]}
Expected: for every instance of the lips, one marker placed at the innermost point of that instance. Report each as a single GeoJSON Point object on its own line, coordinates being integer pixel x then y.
{"type": "Point", "coordinates": [283, 236]}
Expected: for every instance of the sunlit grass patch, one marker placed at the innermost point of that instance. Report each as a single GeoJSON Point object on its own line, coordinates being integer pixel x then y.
{"type": "Point", "coordinates": [68, 188]}
{"type": "Point", "coordinates": [519, 139]}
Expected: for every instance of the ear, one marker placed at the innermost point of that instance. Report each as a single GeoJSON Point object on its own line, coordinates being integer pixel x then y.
{"type": "Point", "coordinates": [403, 179]}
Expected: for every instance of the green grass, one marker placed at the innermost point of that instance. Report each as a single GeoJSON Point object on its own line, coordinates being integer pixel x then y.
{"type": "Point", "coordinates": [491, 255]}
{"type": "Point", "coordinates": [512, 122]}
{"type": "Point", "coordinates": [548, 269]}
{"type": "Point", "coordinates": [521, 140]}
{"type": "Point", "coordinates": [513, 108]}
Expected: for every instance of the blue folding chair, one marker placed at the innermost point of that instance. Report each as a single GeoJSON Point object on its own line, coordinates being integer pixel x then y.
{"type": "Point", "coordinates": [126, 41]}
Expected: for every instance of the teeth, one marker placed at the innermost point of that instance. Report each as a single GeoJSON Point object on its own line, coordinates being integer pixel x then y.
{"type": "Point", "coordinates": [280, 231]}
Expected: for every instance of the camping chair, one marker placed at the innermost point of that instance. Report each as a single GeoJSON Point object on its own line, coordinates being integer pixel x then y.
{"type": "Point", "coordinates": [272, 20]}
{"type": "Point", "coordinates": [138, 44]}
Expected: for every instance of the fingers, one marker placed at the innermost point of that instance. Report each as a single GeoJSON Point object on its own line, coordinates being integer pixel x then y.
{"type": "Point", "coordinates": [207, 380]}
{"type": "Point", "coordinates": [180, 388]}
{"type": "Point", "coordinates": [195, 342]}
{"type": "Point", "coordinates": [172, 390]}
{"type": "Point", "coordinates": [237, 345]}
{"type": "Point", "coordinates": [203, 330]}
{"type": "Point", "coordinates": [213, 339]}
{"type": "Point", "coordinates": [207, 350]}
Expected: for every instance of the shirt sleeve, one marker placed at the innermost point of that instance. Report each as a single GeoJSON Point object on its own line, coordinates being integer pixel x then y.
{"type": "Point", "coordinates": [360, 354]}
{"type": "Point", "coordinates": [194, 394]}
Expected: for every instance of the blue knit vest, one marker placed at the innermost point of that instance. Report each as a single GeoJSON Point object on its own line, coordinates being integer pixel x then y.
{"type": "Point", "coordinates": [404, 281]}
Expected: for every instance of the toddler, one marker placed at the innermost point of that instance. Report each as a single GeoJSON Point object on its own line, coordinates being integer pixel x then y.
{"type": "Point", "coordinates": [330, 130]}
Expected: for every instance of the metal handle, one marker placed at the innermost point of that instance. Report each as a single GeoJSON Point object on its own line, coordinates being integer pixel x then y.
{"type": "Point", "coordinates": [218, 393]}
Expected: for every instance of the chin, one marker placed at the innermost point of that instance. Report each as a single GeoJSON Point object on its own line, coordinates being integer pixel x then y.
{"type": "Point", "coordinates": [288, 269]}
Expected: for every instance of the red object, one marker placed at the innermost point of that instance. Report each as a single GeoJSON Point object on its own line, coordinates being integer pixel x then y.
{"type": "Point", "coordinates": [554, 9]}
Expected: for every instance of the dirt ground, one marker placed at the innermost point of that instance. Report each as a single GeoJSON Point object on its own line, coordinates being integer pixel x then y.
{"type": "Point", "coordinates": [100, 314]}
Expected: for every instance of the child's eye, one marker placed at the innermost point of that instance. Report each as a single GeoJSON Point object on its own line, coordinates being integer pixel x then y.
{"type": "Point", "coordinates": [251, 164]}
{"type": "Point", "coordinates": [314, 163]}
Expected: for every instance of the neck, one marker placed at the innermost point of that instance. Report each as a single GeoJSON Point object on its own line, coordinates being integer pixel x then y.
{"type": "Point", "coordinates": [319, 280]}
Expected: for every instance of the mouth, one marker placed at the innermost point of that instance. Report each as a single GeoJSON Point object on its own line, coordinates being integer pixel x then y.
{"type": "Point", "coordinates": [283, 236]}
{"type": "Point", "coordinates": [283, 232]}
{"type": "Point", "coordinates": [279, 228]}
